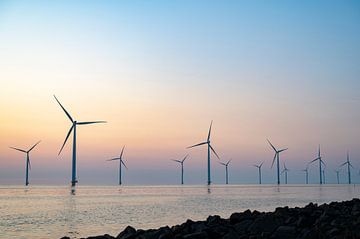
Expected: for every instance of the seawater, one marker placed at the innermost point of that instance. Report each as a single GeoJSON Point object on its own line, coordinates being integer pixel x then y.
{"type": "Point", "coordinates": [54, 211]}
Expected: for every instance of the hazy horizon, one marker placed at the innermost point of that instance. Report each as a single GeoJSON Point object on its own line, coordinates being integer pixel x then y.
{"type": "Point", "coordinates": [158, 72]}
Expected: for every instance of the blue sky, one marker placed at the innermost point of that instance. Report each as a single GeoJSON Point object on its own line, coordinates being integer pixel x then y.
{"type": "Point", "coordinates": [159, 71]}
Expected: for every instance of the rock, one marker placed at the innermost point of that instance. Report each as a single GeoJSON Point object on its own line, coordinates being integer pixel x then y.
{"type": "Point", "coordinates": [238, 217]}
{"type": "Point", "coordinates": [287, 232]}
{"type": "Point", "coordinates": [196, 235]}
{"type": "Point", "coordinates": [242, 226]}
{"type": "Point", "coordinates": [336, 220]}
{"type": "Point", "coordinates": [266, 223]}
{"type": "Point", "coordinates": [106, 236]}
{"type": "Point", "coordinates": [231, 235]}
{"type": "Point", "coordinates": [128, 233]}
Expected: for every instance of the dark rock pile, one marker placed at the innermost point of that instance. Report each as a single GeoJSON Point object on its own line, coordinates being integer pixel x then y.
{"type": "Point", "coordinates": [334, 220]}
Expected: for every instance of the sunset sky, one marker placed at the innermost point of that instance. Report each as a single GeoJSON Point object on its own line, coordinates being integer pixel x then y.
{"type": "Point", "coordinates": [160, 71]}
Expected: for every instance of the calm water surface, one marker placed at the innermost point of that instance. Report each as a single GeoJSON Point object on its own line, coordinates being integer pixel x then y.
{"type": "Point", "coordinates": [53, 212]}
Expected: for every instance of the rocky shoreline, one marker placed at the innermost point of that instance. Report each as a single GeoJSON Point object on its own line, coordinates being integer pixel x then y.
{"type": "Point", "coordinates": [334, 220]}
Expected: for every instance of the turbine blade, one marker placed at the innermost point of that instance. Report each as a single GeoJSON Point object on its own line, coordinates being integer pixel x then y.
{"type": "Point", "coordinates": [212, 149]}
{"type": "Point", "coordinates": [261, 164]}
{"type": "Point", "coordinates": [282, 150]}
{"type": "Point", "coordinates": [197, 145]}
{"type": "Point", "coordinates": [228, 162]}
{"type": "Point", "coordinates": [272, 164]}
{"type": "Point", "coordinates": [256, 166]}
{"type": "Point", "coordinates": [113, 159]}
{"type": "Point", "coordinates": [343, 164]}
{"type": "Point", "coordinates": [208, 138]}
{"type": "Point", "coordinates": [90, 122]}
{"type": "Point", "coordinates": [121, 161]}
{"type": "Point", "coordinates": [283, 171]}
{"type": "Point", "coordinates": [222, 163]}
{"type": "Point", "coordinates": [272, 146]}
{"type": "Point", "coordinates": [323, 162]}
{"type": "Point", "coordinates": [185, 158]}
{"type": "Point", "coordinates": [68, 115]}
{"type": "Point", "coordinates": [178, 161]}
{"type": "Point", "coordinates": [21, 150]}
{"type": "Point", "coordinates": [67, 136]}
{"type": "Point", "coordinates": [314, 160]}
{"type": "Point", "coordinates": [34, 146]}
{"type": "Point", "coordinates": [351, 165]}
{"type": "Point", "coordinates": [122, 152]}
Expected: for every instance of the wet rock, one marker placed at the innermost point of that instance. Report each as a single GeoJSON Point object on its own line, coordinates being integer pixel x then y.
{"type": "Point", "coordinates": [196, 235]}
{"type": "Point", "coordinates": [128, 233]}
{"type": "Point", "coordinates": [106, 236]}
{"type": "Point", "coordinates": [288, 232]}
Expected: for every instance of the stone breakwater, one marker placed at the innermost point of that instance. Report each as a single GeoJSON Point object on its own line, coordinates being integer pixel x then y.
{"type": "Point", "coordinates": [333, 220]}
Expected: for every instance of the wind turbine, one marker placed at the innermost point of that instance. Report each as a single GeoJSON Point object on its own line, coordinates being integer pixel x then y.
{"type": "Point", "coordinates": [277, 157]}
{"type": "Point", "coordinates": [348, 166]}
{"type": "Point", "coordinates": [28, 164]}
{"type": "Point", "coordinates": [323, 172]}
{"type": "Point", "coordinates": [306, 174]}
{"type": "Point", "coordinates": [319, 158]}
{"type": "Point", "coordinates": [337, 176]}
{"type": "Point", "coordinates": [73, 128]}
{"type": "Point", "coordinates": [226, 170]}
{"type": "Point", "coordinates": [182, 167]}
{"type": "Point", "coordinates": [209, 148]}
{"type": "Point", "coordinates": [285, 170]}
{"type": "Point", "coordinates": [120, 162]}
{"type": "Point", "coordinates": [259, 168]}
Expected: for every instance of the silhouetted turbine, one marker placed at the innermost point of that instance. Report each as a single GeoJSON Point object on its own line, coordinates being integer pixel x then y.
{"type": "Point", "coordinates": [348, 167]}
{"type": "Point", "coordinates": [277, 157]}
{"type": "Point", "coordinates": [226, 171]}
{"type": "Point", "coordinates": [121, 162]}
{"type": "Point", "coordinates": [182, 167]}
{"type": "Point", "coordinates": [209, 148]}
{"type": "Point", "coordinates": [28, 164]}
{"type": "Point", "coordinates": [319, 158]}
{"type": "Point", "coordinates": [337, 176]}
{"type": "Point", "coordinates": [73, 128]}
{"type": "Point", "coordinates": [259, 168]}
{"type": "Point", "coordinates": [285, 170]}
{"type": "Point", "coordinates": [306, 170]}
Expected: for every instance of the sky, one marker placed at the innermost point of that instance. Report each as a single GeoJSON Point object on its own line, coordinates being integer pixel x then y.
{"type": "Point", "coordinates": [159, 71]}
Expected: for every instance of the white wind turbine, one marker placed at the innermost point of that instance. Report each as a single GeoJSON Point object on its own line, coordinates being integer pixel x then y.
{"type": "Point", "coordinates": [73, 128]}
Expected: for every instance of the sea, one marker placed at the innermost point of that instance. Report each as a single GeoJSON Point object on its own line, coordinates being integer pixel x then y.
{"type": "Point", "coordinates": [57, 211]}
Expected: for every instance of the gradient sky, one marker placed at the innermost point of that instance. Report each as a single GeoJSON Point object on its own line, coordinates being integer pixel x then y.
{"type": "Point", "coordinates": [160, 71]}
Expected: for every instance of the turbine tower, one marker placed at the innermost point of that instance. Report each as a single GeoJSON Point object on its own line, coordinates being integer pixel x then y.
{"type": "Point", "coordinates": [285, 170]}
{"type": "Point", "coordinates": [28, 164]}
{"type": "Point", "coordinates": [337, 176]}
{"type": "Point", "coordinates": [209, 148]}
{"type": "Point", "coordinates": [277, 157]}
{"type": "Point", "coordinates": [121, 162]}
{"type": "Point", "coordinates": [226, 170]}
{"type": "Point", "coordinates": [73, 128]}
{"type": "Point", "coordinates": [259, 168]}
{"type": "Point", "coordinates": [182, 167]}
{"type": "Point", "coordinates": [319, 158]}
{"type": "Point", "coordinates": [348, 167]}
{"type": "Point", "coordinates": [306, 174]}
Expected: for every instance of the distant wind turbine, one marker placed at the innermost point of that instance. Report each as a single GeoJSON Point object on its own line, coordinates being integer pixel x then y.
{"type": "Point", "coordinates": [285, 170]}
{"type": "Point", "coordinates": [226, 170]}
{"type": "Point", "coordinates": [121, 162]}
{"type": "Point", "coordinates": [306, 170]}
{"type": "Point", "coordinates": [73, 128]}
{"type": "Point", "coordinates": [337, 176]}
{"type": "Point", "coordinates": [259, 168]}
{"type": "Point", "coordinates": [209, 148]}
{"type": "Point", "coordinates": [321, 162]}
{"type": "Point", "coordinates": [277, 157]}
{"type": "Point", "coordinates": [28, 164]}
{"type": "Point", "coordinates": [182, 167]}
{"type": "Point", "coordinates": [348, 167]}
